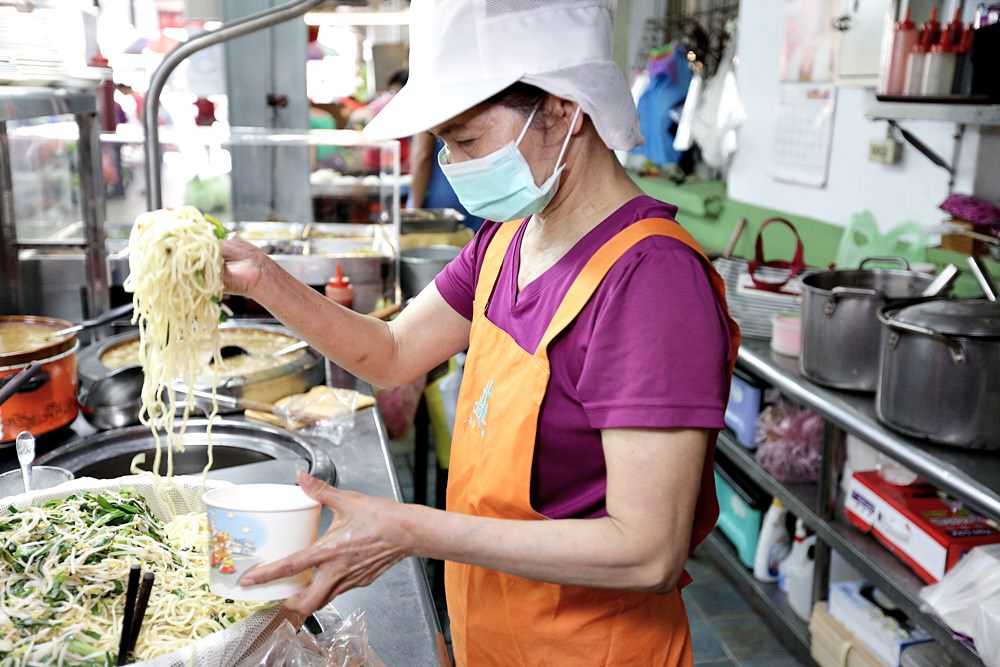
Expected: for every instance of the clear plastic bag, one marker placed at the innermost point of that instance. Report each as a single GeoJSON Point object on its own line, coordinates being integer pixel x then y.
{"type": "Point", "coordinates": [327, 412]}
{"type": "Point", "coordinates": [957, 598]}
{"type": "Point", "coordinates": [342, 643]}
{"type": "Point", "coordinates": [789, 442]}
{"type": "Point", "coordinates": [987, 633]}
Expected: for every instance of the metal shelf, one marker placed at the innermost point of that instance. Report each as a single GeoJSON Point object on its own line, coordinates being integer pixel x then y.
{"type": "Point", "coordinates": [973, 476]}
{"type": "Point", "coordinates": [867, 556]}
{"type": "Point", "coordinates": [801, 499]}
{"type": "Point", "coordinates": [965, 114]}
{"type": "Point", "coordinates": [766, 598]}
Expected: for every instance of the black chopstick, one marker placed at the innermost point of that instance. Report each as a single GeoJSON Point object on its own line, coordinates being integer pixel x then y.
{"type": "Point", "coordinates": [130, 594]}
{"type": "Point", "coordinates": [145, 588]}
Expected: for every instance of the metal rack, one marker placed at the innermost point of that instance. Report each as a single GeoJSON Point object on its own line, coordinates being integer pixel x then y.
{"type": "Point", "coordinates": [973, 477]}
{"type": "Point", "coordinates": [29, 103]}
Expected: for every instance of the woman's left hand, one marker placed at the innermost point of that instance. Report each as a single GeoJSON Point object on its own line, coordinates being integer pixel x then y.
{"type": "Point", "coordinates": [364, 540]}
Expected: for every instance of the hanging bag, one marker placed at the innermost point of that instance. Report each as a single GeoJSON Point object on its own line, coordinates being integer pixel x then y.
{"type": "Point", "coordinates": [760, 288]}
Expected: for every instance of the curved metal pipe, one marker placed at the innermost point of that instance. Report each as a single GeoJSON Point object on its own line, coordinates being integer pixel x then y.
{"type": "Point", "coordinates": [151, 106]}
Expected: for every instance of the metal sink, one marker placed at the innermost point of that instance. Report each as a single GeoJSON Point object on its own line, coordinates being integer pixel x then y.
{"type": "Point", "coordinates": [234, 443]}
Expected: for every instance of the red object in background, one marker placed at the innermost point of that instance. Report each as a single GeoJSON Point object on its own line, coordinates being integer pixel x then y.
{"type": "Point", "coordinates": [206, 112]}
{"type": "Point", "coordinates": [930, 31]}
{"type": "Point", "coordinates": [339, 289]}
{"type": "Point", "coordinates": [914, 522]}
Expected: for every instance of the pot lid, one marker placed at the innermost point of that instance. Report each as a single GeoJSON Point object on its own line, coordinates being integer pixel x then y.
{"type": "Point", "coordinates": [969, 318]}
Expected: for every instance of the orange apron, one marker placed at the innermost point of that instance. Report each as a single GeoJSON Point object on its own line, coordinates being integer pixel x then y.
{"type": "Point", "coordinates": [504, 620]}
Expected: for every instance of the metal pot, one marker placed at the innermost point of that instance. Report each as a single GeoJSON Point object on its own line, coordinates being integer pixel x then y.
{"type": "Point", "coordinates": [108, 455]}
{"type": "Point", "coordinates": [840, 328]}
{"type": "Point", "coordinates": [48, 400]}
{"type": "Point", "coordinates": [300, 373]}
{"type": "Point", "coordinates": [940, 372]}
{"type": "Point", "coordinates": [419, 266]}
{"type": "Point", "coordinates": [114, 400]}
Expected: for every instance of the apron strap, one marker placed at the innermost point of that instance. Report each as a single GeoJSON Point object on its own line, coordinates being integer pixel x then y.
{"type": "Point", "coordinates": [600, 263]}
{"type": "Point", "coordinates": [492, 263]}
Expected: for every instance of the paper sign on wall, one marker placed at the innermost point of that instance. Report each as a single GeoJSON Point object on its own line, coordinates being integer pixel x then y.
{"type": "Point", "coordinates": [804, 133]}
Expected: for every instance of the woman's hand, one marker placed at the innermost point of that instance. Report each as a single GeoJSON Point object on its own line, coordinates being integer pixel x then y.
{"type": "Point", "coordinates": [364, 540]}
{"type": "Point", "coordinates": [244, 266]}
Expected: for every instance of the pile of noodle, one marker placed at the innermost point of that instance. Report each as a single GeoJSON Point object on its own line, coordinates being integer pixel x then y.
{"type": "Point", "coordinates": [62, 571]}
{"type": "Point", "coordinates": [175, 263]}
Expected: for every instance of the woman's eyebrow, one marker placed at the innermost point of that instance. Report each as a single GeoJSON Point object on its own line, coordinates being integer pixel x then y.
{"type": "Point", "coordinates": [448, 129]}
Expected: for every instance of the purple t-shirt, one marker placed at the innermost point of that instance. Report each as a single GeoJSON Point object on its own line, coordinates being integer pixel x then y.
{"type": "Point", "coordinates": [649, 350]}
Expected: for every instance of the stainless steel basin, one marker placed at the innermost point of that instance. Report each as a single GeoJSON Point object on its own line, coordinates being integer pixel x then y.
{"type": "Point", "coordinates": [234, 443]}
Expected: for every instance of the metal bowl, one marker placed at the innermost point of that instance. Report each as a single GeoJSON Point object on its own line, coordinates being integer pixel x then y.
{"type": "Point", "coordinates": [234, 443]}
{"type": "Point", "coordinates": [114, 400]}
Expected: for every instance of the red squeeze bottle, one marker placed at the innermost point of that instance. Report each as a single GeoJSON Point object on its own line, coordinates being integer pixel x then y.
{"type": "Point", "coordinates": [932, 29]}
{"type": "Point", "coordinates": [339, 289]}
{"type": "Point", "coordinates": [904, 39]}
{"type": "Point", "coordinates": [954, 31]}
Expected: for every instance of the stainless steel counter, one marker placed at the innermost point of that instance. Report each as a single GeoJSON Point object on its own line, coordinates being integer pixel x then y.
{"type": "Point", "coordinates": [402, 622]}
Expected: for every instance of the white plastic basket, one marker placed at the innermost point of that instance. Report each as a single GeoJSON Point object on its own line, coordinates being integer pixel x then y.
{"type": "Point", "coordinates": [227, 646]}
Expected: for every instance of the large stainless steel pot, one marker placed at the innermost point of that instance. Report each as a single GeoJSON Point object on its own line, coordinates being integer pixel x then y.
{"type": "Point", "coordinates": [108, 455]}
{"type": "Point", "coordinates": [940, 372]}
{"type": "Point", "coordinates": [298, 374]}
{"type": "Point", "coordinates": [840, 328]}
{"type": "Point", "coordinates": [419, 266]}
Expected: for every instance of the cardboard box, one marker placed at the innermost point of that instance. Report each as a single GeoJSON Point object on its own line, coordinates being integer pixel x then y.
{"type": "Point", "coordinates": [852, 603]}
{"type": "Point", "coordinates": [833, 645]}
{"type": "Point", "coordinates": [915, 523]}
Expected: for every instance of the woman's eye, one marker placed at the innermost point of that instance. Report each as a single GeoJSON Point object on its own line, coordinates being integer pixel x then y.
{"type": "Point", "coordinates": [465, 142]}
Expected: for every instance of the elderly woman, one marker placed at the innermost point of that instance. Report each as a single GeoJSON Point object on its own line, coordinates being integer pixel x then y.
{"type": "Point", "coordinates": [600, 353]}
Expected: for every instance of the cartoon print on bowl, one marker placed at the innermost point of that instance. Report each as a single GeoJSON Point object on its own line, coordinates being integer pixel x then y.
{"type": "Point", "coordinates": [233, 543]}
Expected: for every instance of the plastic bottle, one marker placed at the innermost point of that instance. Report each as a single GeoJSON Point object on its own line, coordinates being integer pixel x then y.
{"type": "Point", "coordinates": [962, 84]}
{"type": "Point", "coordinates": [796, 572]}
{"type": "Point", "coordinates": [930, 33]}
{"type": "Point", "coordinates": [340, 290]}
{"type": "Point", "coordinates": [939, 68]}
{"type": "Point", "coordinates": [904, 38]}
{"type": "Point", "coordinates": [772, 543]}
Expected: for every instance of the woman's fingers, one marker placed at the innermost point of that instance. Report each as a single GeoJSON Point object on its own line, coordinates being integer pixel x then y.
{"type": "Point", "coordinates": [286, 567]}
{"type": "Point", "coordinates": [319, 490]}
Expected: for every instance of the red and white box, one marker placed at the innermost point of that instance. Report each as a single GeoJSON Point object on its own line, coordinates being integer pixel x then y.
{"type": "Point", "coordinates": [914, 522]}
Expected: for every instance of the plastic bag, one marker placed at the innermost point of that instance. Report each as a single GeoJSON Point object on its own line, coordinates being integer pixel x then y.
{"type": "Point", "coordinates": [342, 643]}
{"type": "Point", "coordinates": [789, 442]}
{"type": "Point", "coordinates": [987, 633]}
{"type": "Point", "coordinates": [323, 411]}
{"type": "Point", "coordinates": [956, 599]}
{"type": "Point", "coordinates": [442, 404]}
{"type": "Point", "coordinates": [862, 239]}
{"type": "Point", "coordinates": [398, 406]}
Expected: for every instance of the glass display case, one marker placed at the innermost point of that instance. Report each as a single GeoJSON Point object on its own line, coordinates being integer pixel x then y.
{"type": "Point", "coordinates": [312, 199]}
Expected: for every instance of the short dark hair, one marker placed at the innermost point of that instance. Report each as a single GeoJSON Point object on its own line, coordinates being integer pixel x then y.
{"type": "Point", "coordinates": [519, 95]}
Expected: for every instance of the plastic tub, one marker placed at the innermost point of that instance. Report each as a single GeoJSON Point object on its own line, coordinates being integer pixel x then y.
{"type": "Point", "coordinates": [786, 336]}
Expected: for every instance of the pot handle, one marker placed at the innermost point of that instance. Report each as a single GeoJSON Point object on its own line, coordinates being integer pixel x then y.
{"type": "Point", "coordinates": [886, 260]}
{"type": "Point", "coordinates": [30, 379]}
{"type": "Point", "coordinates": [840, 292]}
{"type": "Point", "coordinates": [957, 351]}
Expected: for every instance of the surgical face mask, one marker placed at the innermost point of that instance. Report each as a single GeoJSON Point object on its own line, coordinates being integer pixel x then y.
{"type": "Point", "coordinates": [500, 186]}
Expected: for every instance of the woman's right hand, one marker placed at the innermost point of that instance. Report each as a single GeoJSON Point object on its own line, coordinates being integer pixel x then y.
{"type": "Point", "coordinates": [245, 264]}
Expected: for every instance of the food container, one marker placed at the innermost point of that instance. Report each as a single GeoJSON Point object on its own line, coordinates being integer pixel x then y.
{"type": "Point", "coordinates": [296, 373]}
{"type": "Point", "coordinates": [419, 266]}
{"type": "Point", "coordinates": [940, 372]}
{"type": "Point", "coordinates": [840, 329]}
{"type": "Point", "coordinates": [47, 401]}
{"type": "Point", "coordinates": [42, 477]}
{"type": "Point", "coordinates": [786, 335]}
{"type": "Point", "coordinates": [252, 524]}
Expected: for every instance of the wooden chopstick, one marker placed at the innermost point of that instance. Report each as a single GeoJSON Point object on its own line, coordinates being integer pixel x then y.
{"type": "Point", "coordinates": [131, 591]}
{"type": "Point", "coordinates": [145, 588]}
